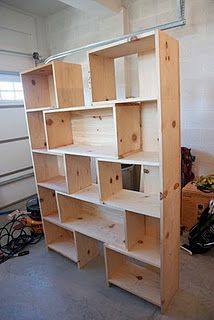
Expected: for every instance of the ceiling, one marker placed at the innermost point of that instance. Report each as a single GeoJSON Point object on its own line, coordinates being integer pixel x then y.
{"type": "Point", "coordinates": [37, 7]}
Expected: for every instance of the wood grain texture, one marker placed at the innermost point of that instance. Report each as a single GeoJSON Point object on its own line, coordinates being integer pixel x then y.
{"type": "Point", "coordinates": [36, 130]}
{"type": "Point", "coordinates": [169, 109]}
{"type": "Point", "coordinates": [87, 249]}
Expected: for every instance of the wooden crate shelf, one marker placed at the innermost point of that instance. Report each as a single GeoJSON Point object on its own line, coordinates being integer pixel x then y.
{"type": "Point", "coordinates": [52, 85]}
{"type": "Point", "coordinates": [93, 220]}
{"type": "Point", "coordinates": [133, 277]}
{"type": "Point", "coordinates": [80, 154]}
{"type": "Point", "coordinates": [103, 72]}
{"type": "Point", "coordinates": [60, 240]}
{"type": "Point", "coordinates": [113, 194]}
{"type": "Point", "coordinates": [50, 172]}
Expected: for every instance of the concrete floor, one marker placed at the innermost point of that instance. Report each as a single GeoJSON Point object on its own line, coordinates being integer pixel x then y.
{"type": "Point", "coordinates": [44, 285]}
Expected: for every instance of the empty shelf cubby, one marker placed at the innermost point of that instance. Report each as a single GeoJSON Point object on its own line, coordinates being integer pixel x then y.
{"type": "Point", "coordinates": [57, 84]}
{"type": "Point", "coordinates": [143, 237]}
{"type": "Point", "coordinates": [49, 170]}
{"type": "Point", "coordinates": [133, 276]}
{"type": "Point", "coordinates": [97, 131]}
{"type": "Point", "coordinates": [94, 220]}
{"type": "Point", "coordinates": [113, 194]}
{"type": "Point", "coordinates": [104, 74]}
{"type": "Point", "coordinates": [60, 240]}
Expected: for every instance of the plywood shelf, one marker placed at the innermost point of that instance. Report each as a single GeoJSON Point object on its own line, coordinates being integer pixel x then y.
{"type": "Point", "coordinates": [123, 101]}
{"type": "Point", "coordinates": [125, 200]}
{"type": "Point", "coordinates": [140, 280]}
{"type": "Point", "coordinates": [40, 109]}
{"type": "Point", "coordinates": [60, 239]}
{"type": "Point", "coordinates": [148, 251]}
{"type": "Point", "coordinates": [86, 150]}
{"type": "Point", "coordinates": [65, 248]}
{"type": "Point", "coordinates": [57, 183]}
{"type": "Point", "coordinates": [93, 220]}
{"type": "Point", "coordinates": [135, 201]}
{"type": "Point", "coordinates": [127, 275]}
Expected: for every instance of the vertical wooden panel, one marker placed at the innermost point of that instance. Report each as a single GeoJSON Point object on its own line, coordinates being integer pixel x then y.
{"type": "Point", "coordinates": [127, 121]}
{"type": "Point", "coordinates": [102, 71]}
{"type": "Point", "coordinates": [68, 84]}
{"type": "Point", "coordinates": [169, 109]}
{"type": "Point", "coordinates": [110, 179]}
{"type": "Point", "coordinates": [58, 129]}
{"type": "Point", "coordinates": [87, 249]}
{"type": "Point", "coordinates": [36, 130]}
{"type": "Point", "coordinates": [147, 75]}
{"type": "Point", "coordinates": [78, 172]}
{"type": "Point", "coordinates": [47, 199]}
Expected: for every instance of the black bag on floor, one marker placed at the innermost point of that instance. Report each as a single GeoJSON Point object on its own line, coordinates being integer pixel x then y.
{"type": "Point", "coordinates": [201, 235]}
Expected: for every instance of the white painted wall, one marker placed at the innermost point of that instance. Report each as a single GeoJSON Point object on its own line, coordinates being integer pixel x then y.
{"type": "Point", "coordinates": [71, 28]}
{"type": "Point", "coordinates": [22, 32]}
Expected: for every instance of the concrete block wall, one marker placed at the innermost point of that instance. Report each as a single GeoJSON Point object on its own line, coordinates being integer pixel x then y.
{"type": "Point", "coordinates": [72, 28]}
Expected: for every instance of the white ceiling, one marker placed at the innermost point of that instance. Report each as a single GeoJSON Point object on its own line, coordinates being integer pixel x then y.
{"type": "Point", "coordinates": [38, 7]}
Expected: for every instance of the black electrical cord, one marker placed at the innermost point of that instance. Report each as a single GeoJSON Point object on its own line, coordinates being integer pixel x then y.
{"type": "Point", "coordinates": [14, 237]}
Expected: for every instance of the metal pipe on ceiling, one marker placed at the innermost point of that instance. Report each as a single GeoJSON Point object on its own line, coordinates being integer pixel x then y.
{"type": "Point", "coordinates": [174, 24]}
{"type": "Point", "coordinates": [16, 53]}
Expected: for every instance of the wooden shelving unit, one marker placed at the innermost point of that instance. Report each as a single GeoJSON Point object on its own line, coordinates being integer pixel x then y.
{"type": "Point", "coordinates": [139, 228]}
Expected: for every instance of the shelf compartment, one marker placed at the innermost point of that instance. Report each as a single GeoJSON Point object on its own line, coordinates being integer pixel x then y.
{"type": "Point", "coordinates": [98, 130]}
{"type": "Point", "coordinates": [93, 220]}
{"type": "Point", "coordinates": [36, 130]}
{"type": "Point", "coordinates": [104, 69]}
{"type": "Point", "coordinates": [60, 240]}
{"type": "Point", "coordinates": [57, 84]}
{"type": "Point", "coordinates": [47, 200]}
{"type": "Point", "coordinates": [49, 171]}
{"type": "Point", "coordinates": [143, 237]}
{"type": "Point", "coordinates": [112, 193]}
{"type": "Point", "coordinates": [130, 275]}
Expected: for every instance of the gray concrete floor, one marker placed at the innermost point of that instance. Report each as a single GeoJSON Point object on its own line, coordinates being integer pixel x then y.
{"type": "Point", "coordinates": [44, 285]}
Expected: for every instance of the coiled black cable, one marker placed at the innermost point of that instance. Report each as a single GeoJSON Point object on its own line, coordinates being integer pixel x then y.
{"type": "Point", "coordinates": [15, 236]}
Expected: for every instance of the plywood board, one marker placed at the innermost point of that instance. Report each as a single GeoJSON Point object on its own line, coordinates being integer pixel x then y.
{"type": "Point", "coordinates": [169, 110]}
{"type": "Point", "coordinates": [36, 130]}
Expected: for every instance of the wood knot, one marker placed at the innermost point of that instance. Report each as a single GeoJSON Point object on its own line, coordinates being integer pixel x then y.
{"type": "Point", "coordinates": [140, 241]}
{"type": "Point", "coordinates": [41, 199]}
{"type": "Point", "coordinates": [117, 177]}
{"type": "Point", "coordinates": [134, 137]}
{"type": "Point", "coordinates": [176, 186]}
{"type": "Point", "coordinates": [110, 180]}
{"type": "Point", "coordinates": [62, 120]}
{"type": "Point", "coordinates": [49, 122]}
{"type": "Point", "coordinates": [33, 82]}
{"type": "Point", "coordinates": [88, 252]}
{"type": "Point", "coordinates": [80, 218]}
{"type": "Point", "coordinates": [53, 194]}
{"type": "Point", "coordinates": [121, 140]}
{"type": "Point", "coordinates": [78, 173]}
{"type": "Point", "coordinates": [111, 226]}
{"type": "Point", "coordinates": [173, 123]}
{"type": "Point", "coordinates": [167, 235]}
{"type": "Point", "coordinates": [139, 277]}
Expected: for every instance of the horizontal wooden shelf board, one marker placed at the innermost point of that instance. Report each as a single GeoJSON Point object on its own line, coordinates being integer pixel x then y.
{"type": "Point", "coordinates": [147, 252]}
{"type": "Point", "coordinates": [86, 150]}
{"type": "Point", "coordinates": [137, 202]}
{"type": "Point", "coordinates": [53, 218]}
{"type": "Point", "coordinates": [134, 201]}
{"type": "Point", "coordinates": [82, 108]}
{"type": "Point", "coordinates": [124, 101]}
{"type": "Point", "coordinates": [44, 69]}
{"type": "Point", "coordinates": [141, 158]}
{"type": "Point", "coordinates": [40, 109]}
{"type": "Point", "coordinates": [145, 41]}
{"type": "Point", "coordinates": [104, 230]}
{"type": "Point", "coordinates": [127, 277]}
{"type": "Point", "coordinates": [66, 248]}
{"type": "Point", "coordinates": [57, 183]}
